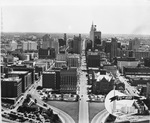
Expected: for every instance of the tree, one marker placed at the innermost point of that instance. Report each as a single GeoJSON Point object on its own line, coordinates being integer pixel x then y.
{"type": "Point", "coordinates": [35, 101]}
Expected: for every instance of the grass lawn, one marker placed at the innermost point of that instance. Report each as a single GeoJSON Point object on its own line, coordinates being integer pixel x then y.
{"type": "Point", "coordinates": [71, 108]}
{"type": "Point", "coordinates": [95, 108]}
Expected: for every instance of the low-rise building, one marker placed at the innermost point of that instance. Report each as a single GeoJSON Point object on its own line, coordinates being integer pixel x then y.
{"type": "Point", "coordinates": [73, 60]}
{"type": "Point", "coordinates": [126, 62]}
{"type": "Point", "coordinates": [102, 82]}
{"type": "Point", "coordinates": [59, 64]}
{"type": "Point", "coordinates": [138, 72]}
{"type": "Point", "coordinates": [61, 57]}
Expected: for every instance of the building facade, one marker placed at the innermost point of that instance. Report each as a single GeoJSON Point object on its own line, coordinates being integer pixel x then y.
{"type": "Point", "coordinates": [114, 47]}
{"type": "Point", "coordinates": [68, 80]}
{"type": "Point", "coordinates": [95, 36]}
{"type": "Point", "coordinates": [77, 44]}
{"type": "Point", "coordinates": [11, 87]}
{"type": "Point", "coordinates": [47, 41]}
{"type": "Point", "coordinates": [49, 80]}
{"type": "Point", "coordinates": [73, 60]}
{"type": "Point", "coordinates": [126, 62]}
{"type": "Point", "coordinates": [93, 59]}
{"type": "Point", "coordinates": [24, 75]}
{"type": "Point", "coordinates": [102, 82]}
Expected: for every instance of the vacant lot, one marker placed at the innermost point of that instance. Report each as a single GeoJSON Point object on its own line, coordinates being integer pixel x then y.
{"type": "Point", "coordinates": [71, 108]}
{"type": "Point", "coordinates": [94, 108]}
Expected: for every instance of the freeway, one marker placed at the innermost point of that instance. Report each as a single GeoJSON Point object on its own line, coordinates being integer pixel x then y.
{"type": "Point", "coordinates": [100, 117]}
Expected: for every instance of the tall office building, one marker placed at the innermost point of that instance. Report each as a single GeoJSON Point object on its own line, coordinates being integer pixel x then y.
{"type": "Point", "coordinates": [57, 72]}
{"type": "Point", "coordinates": [55, 45]}
{"type": "Point", "coordinates": [114, 46]}
{"type": "Point", "coordinates": [65, 38]}
{"type": "Point", "coordinates": [62, 42]}
{"type": "Point", "coordinates": [95, 36]}
{"type": "Point", "coordinates": [77, 44]}
{"type": "Point", "coordinates": [47, 41]}
{"type": "Point", "coordinates": [134, 44]}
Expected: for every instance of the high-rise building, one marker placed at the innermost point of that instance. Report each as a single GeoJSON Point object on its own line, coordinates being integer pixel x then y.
{"type": "Point", "coordinates": [134, 44]}
{"type": "Point", "coordinates": [24, 68]}
{"type": "Point", "coordinates": [108, 46]}
{"type": "Point", "coordinates": [47, 41]}
{"type": "Point", "coordinates": [11, 87]}
{"type": "Point", "coordinates": [114, 46]}
{"type": "Point", "coordinates": [68, 80]}
{"type": "Point", "coordinates": [29, 45]}
{"type": "Point", "coordinates": [95, 36]}
{"type": "Point", "coordinates": [65, 38]}
{"type": "Point", "coordinates": [49, 80]}
{"type": "Point", "coordinates": [62, 42]}
{"type": "Point", "coordinates": [24, 75]}
{"type": "Point", "coordinates": [77, 44]}
{"type": "Point", "coordinates": [57, 71]}
{"type": "Point", "coordinates": [55, 45]}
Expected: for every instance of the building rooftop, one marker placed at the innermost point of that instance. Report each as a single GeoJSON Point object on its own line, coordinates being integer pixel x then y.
{"type": "Point", "coordinates": [48, 72]}
{"type": "Point", "coordinates": [99, 76]}
{"type": "Point", "coordinates": [127, 59]}
{"type": "Point", "coordinates": [18, 72]}
{"type": "Point", "coordinates": [11, 79]}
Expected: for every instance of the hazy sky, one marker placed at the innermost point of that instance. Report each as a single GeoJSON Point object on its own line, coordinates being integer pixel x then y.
{"type": "Point", "coordinates": [110, 16]}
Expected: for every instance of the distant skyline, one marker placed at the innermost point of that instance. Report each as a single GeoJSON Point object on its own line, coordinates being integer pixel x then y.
{"type": "Point", "coordinates": [76, 16]}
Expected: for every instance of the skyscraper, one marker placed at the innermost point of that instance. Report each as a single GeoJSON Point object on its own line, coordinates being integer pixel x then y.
{"type": "Point", "coordinates": [47, 41]}
{"type": "Point", "coordinates": [77, 44]}
{"type": "Point", "coordinates": [114, 44]}
{"type": "Point", "coordinates": [95, 36]}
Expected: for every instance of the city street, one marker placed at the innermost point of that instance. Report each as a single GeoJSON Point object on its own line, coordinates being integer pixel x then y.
{"type": "Point", "coordinates": [83, 104]}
